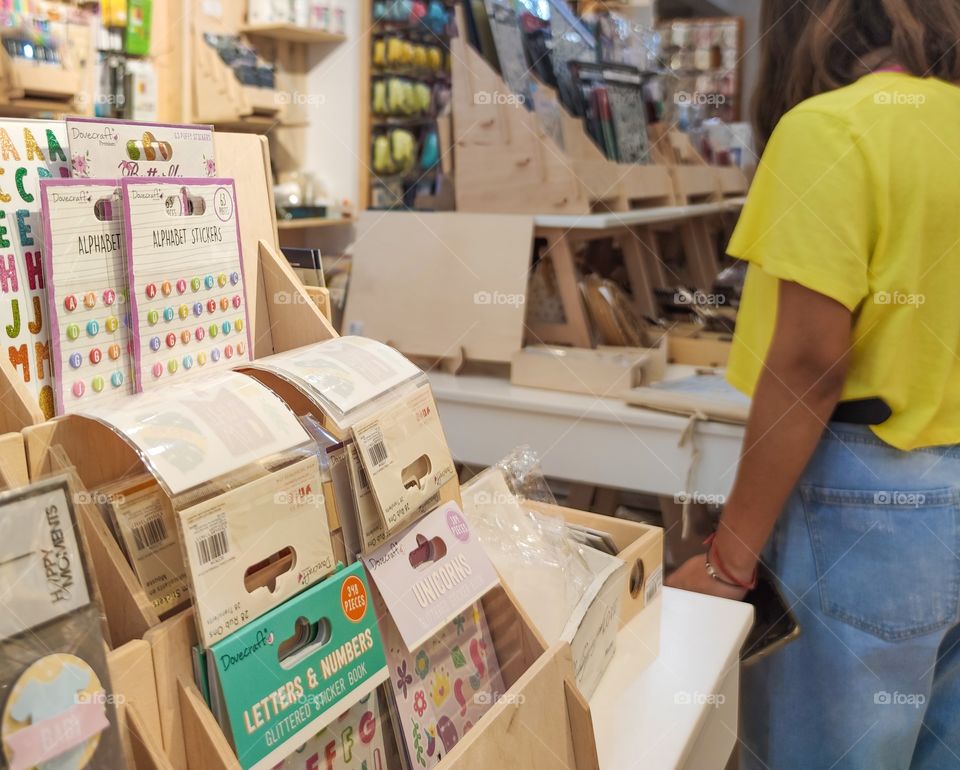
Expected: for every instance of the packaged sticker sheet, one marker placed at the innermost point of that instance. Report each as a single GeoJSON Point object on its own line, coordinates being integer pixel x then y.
{"type": "Point", "coordinates": [85, 267]}
{"type": "Point", "coordinates": [187, 291]}
{"type": "Point", "coordinates": [283, 678]}
{"type": "Point", "coordinates": [56, 707]}
{"type": "Point", "coordinates": [275, 527]}
{"type": "Point", "coordinates": [30, 150]}
{"type": "Point", "coordinates": [145, 524]}
{"type": "Point", "coordinates": [201, 428]}
{"type": "Point", "coordinates": [111, 149]}
{"type": "Point", "coordinates": [355, 741]}
{"type": "Point", "coordinates": [442, 688]}
{"type": "Point", "coordinates": [430, 572]}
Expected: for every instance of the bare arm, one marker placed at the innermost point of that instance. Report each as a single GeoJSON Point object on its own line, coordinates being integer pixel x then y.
{"type": "Point", "coordinates": [799, 389]}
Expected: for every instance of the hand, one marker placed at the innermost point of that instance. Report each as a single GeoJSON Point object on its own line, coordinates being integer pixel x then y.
{"type": "Point", "coordinates": [692, 576]}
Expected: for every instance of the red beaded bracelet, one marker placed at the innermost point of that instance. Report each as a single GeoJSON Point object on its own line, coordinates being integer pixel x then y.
{"type": "Point", "coordinates": [718, 563]}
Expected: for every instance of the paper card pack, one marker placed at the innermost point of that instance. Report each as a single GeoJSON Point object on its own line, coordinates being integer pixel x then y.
{"type": "Point", "coordinates": [344, 373]}
{"type": "Point", "coordinates": [199, 429]}
{"type": "Point", "coordinates": [278, 518]}
{"type": "Point", "coordinates": [188, 300]}
{"type": "Point", "coordinates": [442, 688]}
{"type": "Point", "coordinates": [85, 267]}
{"type": "Point", "coordinates": [430, 572]}
{"type": "Point", "coordinates": [42, 573]}
{"type": "Point", "coordinates": [111, 149]}
{"type": "Point", "coordinates": [405, 454]}
{"type": "Point", "coordinates": [56, 705]}
{"type": "Point", "coordinates": [30, 150]}
{"type": "Point", "coordinates": [293, 671]}
{"type": "Point", "coordinates": [355, 741]}
{"type": "Point", "coordinates": [143, 519]}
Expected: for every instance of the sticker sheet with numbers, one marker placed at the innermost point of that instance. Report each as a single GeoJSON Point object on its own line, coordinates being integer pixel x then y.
{"type": "Point", "coordinates": [86, 283]}
{"type": "Point", "coordinates": [188, 303]}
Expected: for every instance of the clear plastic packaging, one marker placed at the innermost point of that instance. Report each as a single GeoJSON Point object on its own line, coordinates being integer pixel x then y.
{"type": "Point", "coordinates": [537, 556]}
{"type": "Point", "coordinates": [55, 695]}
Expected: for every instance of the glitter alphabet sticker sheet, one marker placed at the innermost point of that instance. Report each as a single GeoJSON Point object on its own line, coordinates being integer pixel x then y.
{"type": "Point", "coordinates": [30, 150]}
{"type": "Point", "coordinates": [187, 294]}
{"type": "Point", "coordinates": [86, 281]}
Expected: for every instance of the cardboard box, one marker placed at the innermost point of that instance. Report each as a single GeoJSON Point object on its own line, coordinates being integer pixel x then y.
{"type": "Point", "coordinates": [695, 347]}
{"type": "Point", "coordinates": [603, 371]}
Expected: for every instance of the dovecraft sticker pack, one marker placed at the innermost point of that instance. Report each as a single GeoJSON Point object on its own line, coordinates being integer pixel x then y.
{"type": "Point", "coordinates": [30, 150]}
{"type": "Point", "coordinates": [111, 149]}
{"type": "Point", "coordinates": [199, 429]}
{"type": "Point", "coordinates": [187, 291]}
{"type": "Point", "coordinates": [278, 521]}
{"type": "Point", "coordinates": [442, 688]}
{"type": "Point", "coordinates": [430, 572]}
{"type": "Point", "coordinates": [56, 708]}
{"type": "Point", "coordinates": [286, 676]}
{"type": "Point", "coordinates": [85, 268]}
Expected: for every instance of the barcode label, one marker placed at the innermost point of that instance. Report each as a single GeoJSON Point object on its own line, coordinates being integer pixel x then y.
{"type": "Point", "coordinates": [212, 547]}
{"type": "Point", "coordinates": [363, 484]}
{"type": "Point", "coordinates": [378, 453]}
{"type": "Point", "coordinates": [149, 534]}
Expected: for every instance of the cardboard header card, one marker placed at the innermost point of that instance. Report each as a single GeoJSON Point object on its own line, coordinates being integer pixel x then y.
{"type": "Point", "coordinates": [255, 546]}
{"type": "Point", "coordinates": [282, 679]}
{"type": "Point", "coordinates": [193, 431]}
{"type": "Point", "coordinates": [110, 149]}
{"type": "Point", "coordinates": [430, 572]}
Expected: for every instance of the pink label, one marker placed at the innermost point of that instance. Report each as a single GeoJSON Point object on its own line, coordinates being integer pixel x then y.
{"type": "Point", "coordinates": [458, 525]}
{"type": "Point", "coordinates": [43, 741]}
{"type": "Point", "coordinates": [429, 572]}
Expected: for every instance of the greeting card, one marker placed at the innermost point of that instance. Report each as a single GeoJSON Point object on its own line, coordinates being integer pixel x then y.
{"type": "Point", "coordinates": [442, 688]}
{"type": "Point", "coordinates": [30, 150]}
{"type": "Point", "coordinates": [111, 149]}
{"type": "Point", "coordinates": [188, 301]}
{"type": "Point", "coordinates": [86, 281]}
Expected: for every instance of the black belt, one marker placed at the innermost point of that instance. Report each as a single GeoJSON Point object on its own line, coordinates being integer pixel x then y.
{"type": "Point", "coordinates": [863, 411]}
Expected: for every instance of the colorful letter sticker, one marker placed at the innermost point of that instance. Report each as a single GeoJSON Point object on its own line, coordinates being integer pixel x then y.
{"type": "Point", "coordinates": [30, 150]}
{"type": "Point", "coordinates": [86, 280]}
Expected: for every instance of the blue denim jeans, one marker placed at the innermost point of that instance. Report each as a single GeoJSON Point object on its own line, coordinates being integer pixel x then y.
{"type": "Point", "coordinates": [866, 553]}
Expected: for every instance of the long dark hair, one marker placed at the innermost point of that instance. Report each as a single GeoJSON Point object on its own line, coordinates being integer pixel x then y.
{"type": "Point", "coordinates": [820, 45]}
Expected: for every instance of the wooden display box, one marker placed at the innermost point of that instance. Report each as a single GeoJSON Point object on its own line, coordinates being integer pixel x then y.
{"type": "Point", "coordinates": [134, 681]}
{"type": "Point", "coordinates": [13, 462]}
{"type": "Point", "coordinates": [695, 347]}
{"type": "Point", "coordinates": [282, 317]}
{"type": "Point", "coordinates": [540, 708]}
{"type": "Point", "coordinates": [604, 372]}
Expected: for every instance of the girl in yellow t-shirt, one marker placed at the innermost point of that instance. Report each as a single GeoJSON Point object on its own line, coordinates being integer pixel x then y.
{"type": "Point", "coordinates": [848, 341]}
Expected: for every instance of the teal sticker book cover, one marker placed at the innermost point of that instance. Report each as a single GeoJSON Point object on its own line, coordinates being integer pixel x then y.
{"type": "Point", "coordinates": [287, 675]}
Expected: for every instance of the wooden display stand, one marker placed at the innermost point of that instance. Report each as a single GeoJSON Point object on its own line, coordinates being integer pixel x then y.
{"type": "Point", "coordinates": [29, 87]}
{"type": "Point", "coordinates": [507, 161]}
{"type": "Point", "coordinates": [13, 462]}
{"type": "Point", "coordinates": [541, 707]}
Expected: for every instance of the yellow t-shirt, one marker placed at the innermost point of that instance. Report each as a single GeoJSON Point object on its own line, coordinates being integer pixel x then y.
{"type": "Point", "coordinates": [857, 197]}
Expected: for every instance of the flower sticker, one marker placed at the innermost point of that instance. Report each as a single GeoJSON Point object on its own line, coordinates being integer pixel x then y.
{"type": "Point", "coordinates": [210, 166]}
{"type": "Point", "coordinates": [423, 664]}
{"type": "Point", "coordinates": [441, 688]}
{"type": "Point", "coordinates": [81, 164]}
{"type": "Point", "coordinates": [420, 703]}
{"type": "Point", "coordinates": [403, 678]}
